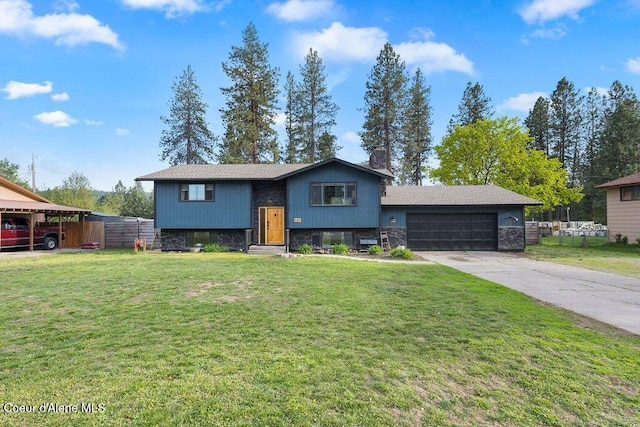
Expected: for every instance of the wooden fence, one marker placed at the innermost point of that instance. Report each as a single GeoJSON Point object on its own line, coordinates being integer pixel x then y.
{"type": "Point", "coordinates": [121, 234]}
{"type": "Point", "coordinates": [531, 233]}
{"type": "Point", "coordinates": [74, 238]}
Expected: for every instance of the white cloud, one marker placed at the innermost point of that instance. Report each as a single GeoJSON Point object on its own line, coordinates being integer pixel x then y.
{"type": "Point", "coordinates": [433, 56]}
{"type": "Point", "coordinates": [540, 11]}
{"type": "Point", "coordinates": [633, 65]}
{"type": "Point", "coordinates": [301, 10]}
{"type": "Point", "coordinates": [554, 33]}
{"type": "Point", "coordinates": [522, 102]}
{"type": "Point", "coordinates": [280, 119]}
{"type": "Point", "coordinates": [66, 6]}
{"type": "Point", "coordinates": [17, 90]}
{"type": "Point", "coordinates": [171, 8]}
{"type": "Point", "coordinates": [350, 137]}
{"type": "Point", "coordinates": [56, 118]}
{"type": "Point", "coordinates": [92, 122]}
{"type": "Point", "coordinates": [60, 97]}
{"type": "Point", "coordinates": [70, 29]}
{"type": "Point", "coordinates": [122, 132]}
{"type": "Point", "coordinates": [340, 43]}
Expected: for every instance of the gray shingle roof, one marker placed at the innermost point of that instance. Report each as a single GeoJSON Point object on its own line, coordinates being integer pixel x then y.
{"type": "Point", "coordinates": [252, 172]}
{"type": "Point", "coordinates": [222, 172]}
{"type": "Point", "coordinates": [632, 179]}
{"type": "Point", "coordinates": [455, 195]}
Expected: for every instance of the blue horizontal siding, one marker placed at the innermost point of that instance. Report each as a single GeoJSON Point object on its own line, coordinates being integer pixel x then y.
{"type": "Point", "coordinates": [366, 214]}
{"type": "Point", "coordinates": [230, 209]}
{"type": "Point", "coordinates": [506, 214]}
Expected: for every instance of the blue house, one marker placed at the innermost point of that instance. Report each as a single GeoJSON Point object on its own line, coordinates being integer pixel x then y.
{"type": "Point", "coordinates": [330, 202]}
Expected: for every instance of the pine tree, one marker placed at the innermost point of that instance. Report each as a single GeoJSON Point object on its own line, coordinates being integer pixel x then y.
{"type": "Point", "coordinates": [250, 112]}
{"type": "Point", "coordinates": [416, 131]}
{"type": "Point", "coordinates": [292, 121]}
{"type": "Point", "coordinates": [565, 122]}
{"type": "Point", "coordinates": [188, 138]}
{"type": "Point", "coordinates": [475, 105]}
{"type": "Point", "coordinates": [327, 146]}
{"type": "Point", "coordinates": [537, 123]}
{"type": "Point", "coordinates": [317, 111]}
{"type": "Point", "coordinates": [384, 104]}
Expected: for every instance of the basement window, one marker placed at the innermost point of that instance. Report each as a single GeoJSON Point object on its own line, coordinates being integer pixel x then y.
{"type": "Point", "coordinates": [326, 239]}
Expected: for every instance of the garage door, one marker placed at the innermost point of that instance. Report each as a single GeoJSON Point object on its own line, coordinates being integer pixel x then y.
{"type": "Point", "coordinates": [456, 232]}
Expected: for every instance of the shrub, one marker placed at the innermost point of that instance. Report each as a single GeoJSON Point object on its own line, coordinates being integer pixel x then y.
{"type": "Point", "coordinates": [621, 240]}
{"type": "Point", "coordinates": [374, 250]}
{"type": "Point", "coordinates": [340, 249]}
{"type": "Point", "coordinates": [401, 253]}
{"type": "Point", "coordinates": [305, 249]}
{"type": "Point", "coordinates": [638, 240]}
{"type": "Point", "coordinates": [214, 247]}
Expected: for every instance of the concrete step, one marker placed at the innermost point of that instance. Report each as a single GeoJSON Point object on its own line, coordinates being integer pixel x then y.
{"type": "Point", "coordinates": [266, 250]}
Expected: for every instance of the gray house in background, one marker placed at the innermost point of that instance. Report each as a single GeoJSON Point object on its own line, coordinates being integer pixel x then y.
{"type": "Point", "coordinates": [330, 202]}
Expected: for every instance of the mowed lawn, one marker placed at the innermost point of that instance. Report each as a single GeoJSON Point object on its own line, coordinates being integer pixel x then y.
{"type": "Point", "coordinates": [229, 339]}
{"type": "Point", "coordinates": [598, 255]}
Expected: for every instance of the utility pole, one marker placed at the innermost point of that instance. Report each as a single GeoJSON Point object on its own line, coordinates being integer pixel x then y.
{"type": "Point", "coordinates": [32, 168]}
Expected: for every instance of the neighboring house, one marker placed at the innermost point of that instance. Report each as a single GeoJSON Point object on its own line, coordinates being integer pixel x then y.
{"type": "Point", "coordinates": [334, 201]}
{"type": "Point", "coordinates": [623, 206]}
{"type": "Point", "coordinates": [18, 202]}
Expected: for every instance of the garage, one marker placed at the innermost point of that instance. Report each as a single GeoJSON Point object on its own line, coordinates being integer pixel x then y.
{"type": "Point", "coordinates": [452, 232]}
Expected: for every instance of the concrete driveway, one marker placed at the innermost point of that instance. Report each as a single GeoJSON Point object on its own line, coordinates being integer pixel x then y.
{"type": "Point", "coordinates": [609, 298]}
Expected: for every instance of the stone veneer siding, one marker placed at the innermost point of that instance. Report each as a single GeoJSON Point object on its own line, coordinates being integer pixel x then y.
{"type": "Point", "coordinates": [175, 240]}
{"type": "Point", "coordinates": [511, 238]}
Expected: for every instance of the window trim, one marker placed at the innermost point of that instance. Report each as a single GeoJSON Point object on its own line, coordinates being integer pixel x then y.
{"type": "Point", "coordinates": [185, 190]}
{"type": "Point", "coordinates": [634, 193]}
{"type": "Point", "coordinates": [335, 184]}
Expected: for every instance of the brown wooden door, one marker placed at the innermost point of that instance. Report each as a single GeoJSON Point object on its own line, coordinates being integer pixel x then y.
{"type": "Point", "coordinates": [272, 225]}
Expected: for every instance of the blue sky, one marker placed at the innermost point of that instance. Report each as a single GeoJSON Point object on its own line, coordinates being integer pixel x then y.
{"type": "Point", "coordinates": [83, 83]}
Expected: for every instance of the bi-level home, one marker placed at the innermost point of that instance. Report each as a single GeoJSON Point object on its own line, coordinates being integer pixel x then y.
{"type": "Point", "coordinates": [330, 202]}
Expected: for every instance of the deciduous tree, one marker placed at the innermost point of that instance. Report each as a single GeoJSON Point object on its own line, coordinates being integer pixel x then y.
{"type": "Point", "coordinates": [10, 171]}
{"type": "Point", "coordinates": [497, 152]}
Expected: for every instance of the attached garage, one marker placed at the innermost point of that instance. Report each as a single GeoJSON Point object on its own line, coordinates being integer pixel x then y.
{"type": "Point", "coordinates": [455, 218]}
{"type": "Point", "coordinates": [452, 232]}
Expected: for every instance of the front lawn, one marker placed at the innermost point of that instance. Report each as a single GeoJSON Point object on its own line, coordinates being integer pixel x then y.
{"type": "Point", "coordinates": [229, 339]}
{"type": "Point", "coordinates": [598, 255]}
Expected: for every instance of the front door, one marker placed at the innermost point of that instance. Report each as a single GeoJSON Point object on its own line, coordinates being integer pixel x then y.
{"type": "Point", "coordinates": [271, 225]}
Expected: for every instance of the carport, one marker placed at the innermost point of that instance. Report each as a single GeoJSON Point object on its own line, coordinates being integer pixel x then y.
{"type": "Point", "coordinates": [16, 200]}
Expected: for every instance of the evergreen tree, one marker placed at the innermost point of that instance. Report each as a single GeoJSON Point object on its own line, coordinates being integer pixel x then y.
{"type": "Point", "coordinates": [592, 206]}
{"type": "Point", "coordinates": [565, 123]}
{"type": "Point", "coordinates": [416, 132]}
{"type": "Point", "coordinates": [188, 139]}
{"type": "Point", "coordinates": [292, 121]}
{"type": "Point", "coordinates": [327, 146]}
{"type": "Point", "coordinates": [619, 148]}
{"type": "Point", "coordinates": [537, 122]}
{"type": "Point", "coordinates": [10, 170]}
{"type": "Point", "coordinates": [475, 105]}
{"type": "Point", "coordinates": [112, 201]}
{"type": "Point", "coordinates": [384, 104]}
{"type": "Point", "coordinates": [317, 111]}
{"type": "Point", "coordinates": [250, 111]}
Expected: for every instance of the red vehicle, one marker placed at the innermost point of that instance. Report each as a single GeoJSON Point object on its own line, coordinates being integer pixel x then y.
{"type": "Point", "coordinates": [14, 233]}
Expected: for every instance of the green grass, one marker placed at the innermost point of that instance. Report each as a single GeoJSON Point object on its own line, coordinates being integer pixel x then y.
{"type": "Point", "coordinates": [228, 339]}
{"type": "Point", "coordinates": [599, 255]}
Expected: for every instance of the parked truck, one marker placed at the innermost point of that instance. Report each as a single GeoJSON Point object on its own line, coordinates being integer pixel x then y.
{"type": "Point", "coordinates": [14, 233]}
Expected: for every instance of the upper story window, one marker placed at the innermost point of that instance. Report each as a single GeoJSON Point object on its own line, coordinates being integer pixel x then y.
{"type": "Point", "coordinates": [630, 193]}
{"type": "Point", "coordinates": [333, 194]}
{"type": "Point", "coordinates": [196, 192]}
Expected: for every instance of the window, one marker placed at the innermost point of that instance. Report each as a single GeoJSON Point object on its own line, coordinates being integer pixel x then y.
{"type": "Point", "coordinates": [630, 193]}
{"type": "Point", "coordinates": [196, 192]}
{"type": "Point", "coordinates": [334, 194]}
{"type": "Point", "coordinates": [326, 239]}
{"type": "Point", "coordinates": [201, 237]}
